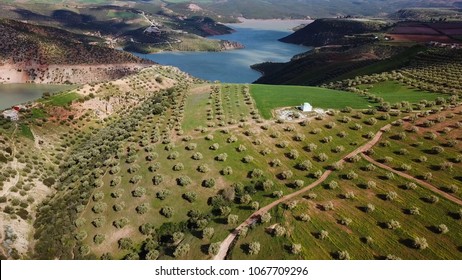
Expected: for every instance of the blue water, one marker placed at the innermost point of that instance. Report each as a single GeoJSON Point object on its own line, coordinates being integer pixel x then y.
{"type": "Point", "coordinates": [261, 45]}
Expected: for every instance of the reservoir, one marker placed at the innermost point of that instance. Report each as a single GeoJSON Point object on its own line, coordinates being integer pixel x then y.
{"type": "Point", "coordinates": [260, 38]}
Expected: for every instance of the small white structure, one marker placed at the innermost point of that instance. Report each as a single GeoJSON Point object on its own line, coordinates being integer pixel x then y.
{"type": "Point", "coordinates": [306, 107]}
{"type": "Point", "coordinates": [11, 114]}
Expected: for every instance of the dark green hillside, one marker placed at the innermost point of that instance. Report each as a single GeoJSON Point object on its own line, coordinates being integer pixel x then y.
{"type": "Point", "coordinates": [23, 42]}
{"type": "Point", "coordinates": [335, 32]}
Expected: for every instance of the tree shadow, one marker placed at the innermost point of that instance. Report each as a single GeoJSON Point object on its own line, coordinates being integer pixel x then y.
{"type": "Point", "coordinates": [407, 242]}
{"type": "Point", "coordinates": [382, 225]}
{"type": "Point", "coordinates": [454, 215]}
{"type": "Point", "coordinates": [433, 229]}
{"type": "Point", "coordinates": [205, 249]}
{"type": "Point", "coordinates": [382, 196]}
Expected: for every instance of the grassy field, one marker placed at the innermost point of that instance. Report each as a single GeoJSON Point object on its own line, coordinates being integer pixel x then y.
{"type": "Point", "coordinates": [63, 99]}
{"type": "Point", "coordinates": [395, 92]}
{"type": "Point", "coordinates": [363, 226]}
{"type": "Point", "coordinates": [268, 97]}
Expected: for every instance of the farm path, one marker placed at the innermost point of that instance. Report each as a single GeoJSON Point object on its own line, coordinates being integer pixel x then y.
{"type": "Point", "coordinates": [225, 244]}
{"type": "Point", "coordinates": [420, 182]}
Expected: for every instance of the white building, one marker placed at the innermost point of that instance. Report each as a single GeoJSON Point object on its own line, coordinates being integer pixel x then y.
{"type": "Point", "coordinates": [11, 114]}
{"type": "Point", "coordinates": [306, 107]}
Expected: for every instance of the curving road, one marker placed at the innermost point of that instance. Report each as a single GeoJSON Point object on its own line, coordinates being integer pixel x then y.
{"type": "Point", "coordinates": [224, 247]}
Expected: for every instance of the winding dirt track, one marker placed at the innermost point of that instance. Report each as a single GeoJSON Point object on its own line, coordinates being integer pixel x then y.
{"type": "Point", "coordinates": [224, 247]}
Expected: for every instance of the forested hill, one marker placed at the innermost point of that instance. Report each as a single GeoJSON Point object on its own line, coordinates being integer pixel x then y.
{"type": "Point", "coordinates": [333, 31]}
{"type": "Point", "coordinates": [28, 43]}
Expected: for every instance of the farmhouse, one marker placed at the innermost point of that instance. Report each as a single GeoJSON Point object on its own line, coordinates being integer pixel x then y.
{"type": "Point", "coordinates": [11, 114]}
{"type": "Point", "coordinates": [306, 107]}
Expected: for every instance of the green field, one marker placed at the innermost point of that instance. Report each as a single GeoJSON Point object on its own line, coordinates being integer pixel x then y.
{"type": "Point", "coordinates": [268, 97]}
{"type": "Point", "coordinates": [62, 99]}
{"type": "Point", "coordinates": [394, 92]}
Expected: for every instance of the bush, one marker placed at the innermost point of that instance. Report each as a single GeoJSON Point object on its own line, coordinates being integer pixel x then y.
{"type": "Point", "coordinates": [279, 231]}
{"type": "Point", "coordinates": [222, 157]}
{"type": "Point", "coordinates": [265, 218]}
{"type": "Point", "coordinates": [369, 208]}
{"type": "Point", "coordinates": [183, 181]}
{"type": "Point", "coordinates": [163, 194]}
{"type": "Point", "coordinates": [328, 206]}
{"type": "Point", "coordinates": [142, 209]}
{"type": "Point", "coordinates": [342, 255]}
{"type": "Point", "coordinates": [432, 199]}
{"type": "Point", "coordinates": [181, 250]}
{"type": "Point", "coordinates": [305, 165]}
{"type": "Point", "coordinates": [214, 248]}
{"type": "Point", "coordinates": [333, 185]}
{"type": "Point", "coordinates": [178, 167]}
{"type": "Point", "coordinates": [190, 196]}
{"type": "Point", "coordinates": [228, 170]}
{"type": "Point", "coordinates": [304, 217]}
{"type": "Point", "coordinates": [393, 224]}
{"type": "Point", "coordinates": [125, 244]}
{"type": "Point", "coordinates": [139, 192]}
{"type": "Point", "coordinates": [298, 184]}
{"type": "Point", "coordinates": [442, 228]}
{"type": "Point", "coordinates": [98, 222]}
{"type": "Point", "coordinates": [232, 219]}
{"type": "Point", "coordinates": [120, 223]}
{"type": "Point", "coordinates": [277, 194]}
{"type": "Point", "coordinates": [208, 232]}
{"type": "Point", "coordinates": [345, 221]}
{"type": "Point", "coordinates": [99, 238]}
{"type": "Point", "coordinates": [293, 154]}
{"type": "Point", "coordinates": [214, 147]}
{"type": "Point", "coordinates": [247, 159]}
{"type": "Point", "coordinates": [391, 195]}
{"type": "Point", "coordinates": [99, 207]}
{"type": "Point", "coordinates": [286, 175]}
{"type": "Point", "coordinates": [197, 156]}
{"type": "Point", "coordinates": [152, 255]}
{"type": "Point", "coordinates": [203, 168]}
{"type": "Point", "coordinates": [253, 248]}
{"type": "Point", "coordinates": [167, 211]}
{"type": "Point", "coordinates": [420, 243]}
{"type": "Point", "coordinates": [323, 234]}
{"type": "Point", "coordinates": [208, 183]}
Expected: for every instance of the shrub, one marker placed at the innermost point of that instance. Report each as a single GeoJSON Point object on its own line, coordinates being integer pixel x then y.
{"type": "Point", "coordinates": [167, 211]}
{"type": "Point", "coordinates": [208, 232]}
{"type": "Point", "coordinates": [99, 207]}
{"type": "Point", "coordinates": [279, 230]}
{"type": "Point", "coordinates": [369, 208]}
{"type": "Point", "coordinates": [255, 205]}
{"type": "Point", "coordinates": [342, 255]}
{"type": "Point", "coordinates": [98, 222]}
{"type": "Point", "coordinates": [247, 159]}
{"type": "Point", "coordinates": [345, 221]}
{"type": "Point", "coordinates": [392, 257]}
{"type": "Point", "coordinates": [197, 156]}
{"type": "Point", "coordinates": [351, 175]}
{"type": "Point", "coordinates": [208, 183]}
{"type": "Point", "coordinates": [265, 218]}
{"type": "Point", "coordinates": [173, 156]}
{"type": "Point", "coordinates": [245, 199]}
{"type": "Point", "coordinates": [181, 250]}
{"type": "Point", "coordinates": [442, 228]}
{"type": "Point", "coordinates": [253, 248]}
{"type": "Point", "coordinates": [163, 194]}
{"type": "Point", "coordinates": [203, 168]}
{"type": "Point", "coordinates": [183, 181]}
{"type": "Point", "coordinates": [214, 248]}
{"type": "Point", "coordinates": [157, 179]}
{"type": "Point", "coordinates": [332, 185]}
{"type": "Point", "coordinates": [295, 249]}
{"type": "Point", "coordinates": [267, 185]}
{"type": "Point", "coordinates": [139, 192]}
{"type": "Point", "coordinates": [256, 173]}
{"type": "Point", "coordinates": [190, 196]}
{"type": "Point", "coordinates": [120, 223]}
{"type": "Point", "coordinates": [305, 165]}
{"type": "Point", "coordinates": [323, 234]}
{"type": "Point", "coordinates": [215, 147]}
{"type": "Point", "coordinates": [275, 163]}
{"type": "Point", "coordinates": [142, 209]}
{"type": "Point", "coordinates": [222, 157]}
{"type": "Point", "coordinates": [293, 154]}
{"type": "Point", "coordinates": [349, 195]}
{"type": "Point", "coordinates": [391, 195]}
{"type": "Point", "coordinates": [322, 157]}
{"type": "Point", "coordinates": [414, 210]}
{"type": "Point", "coordinates": [232, 219]}
{"type": "Point", "coordinates": [178, 167]}
{"type": "Point", "coordinates": [99, 238]}
{"type": "Point", "coordinates": [304, 217]}
{"type": "Point", "coordinates": [277, 194]}
{"type": "Point", "coordinates": [228, 170]}
{"type": "Point", "coordinates": [419, 243]}
{"type": "Point", "coordinates": [152, 255]}
{"type": "Point", "coordinates": [328, 206]}
{"type": "Point", "coordinates": [410, 186]}
{"type": "Point", "coordinates": [125, 243]}
{"type": "Point", "coordinates": [298, 184]}
{"type": "Point", "coordinates": [286, 175]}
{"type": "Point", "coordinates": [393, 224]}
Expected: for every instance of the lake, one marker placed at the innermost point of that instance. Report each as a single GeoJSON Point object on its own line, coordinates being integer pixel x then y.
{"type": "Point", "coordinates": [14, 94]}
{"type": "Point", "coordinates": [260, 38]}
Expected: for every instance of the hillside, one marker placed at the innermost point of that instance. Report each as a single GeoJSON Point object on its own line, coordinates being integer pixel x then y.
{"type": "Point", "coordinates": [336, 32]}
{"type": "Point", "coordinates": [43, 54]}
